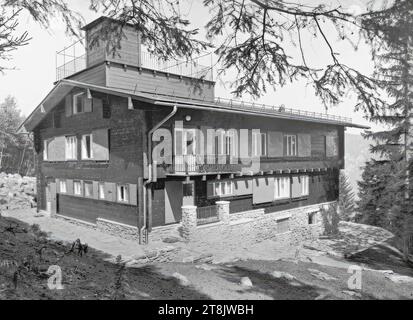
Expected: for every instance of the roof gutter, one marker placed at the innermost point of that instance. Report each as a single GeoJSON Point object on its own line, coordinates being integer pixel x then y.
{"type": "Point", "coordinates": [147, 191]}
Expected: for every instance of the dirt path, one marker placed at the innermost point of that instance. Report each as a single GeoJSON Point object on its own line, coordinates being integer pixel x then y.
{"type": "Point", "coordinates": [26, 254]}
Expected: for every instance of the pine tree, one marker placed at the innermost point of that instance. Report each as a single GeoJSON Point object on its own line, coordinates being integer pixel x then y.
{"type": "Point", "coordinates": [385, 192]}
{"type": "Point", "coordinates": [346, 198]}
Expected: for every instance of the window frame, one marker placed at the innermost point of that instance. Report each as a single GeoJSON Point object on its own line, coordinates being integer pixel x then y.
{"type": "Point", "coordinates": [288, 147]}
{"type": "Point", "coordinates": [312, 218]}
{"type": "Point", "coordinates": [305, 185]}
{"type": "Point", "coordinates": [261, 141]}
{"type": "Point", "coordinates": [62, 182]}
{"type": "Point", "coordinates": [67, 147]}
{"type": "Point", "coordinates": [225, 189]}
{"type": "Point", "coordinates": [46, 149]}
{"type": "Point", "coordinates": [101, 188]}
{"type": "Point", "coordinates": [83, 146]}
{"type": "Point", "coordinates": [89, 183]}
{"type": "Point", "coordinates": [75, 96]}
{"type": "Point", "coordinates": [125, 193]}
{"type": "Point", "coordinates": [75, 182]}
{"type": "Point", "coordinates": [281, 193]}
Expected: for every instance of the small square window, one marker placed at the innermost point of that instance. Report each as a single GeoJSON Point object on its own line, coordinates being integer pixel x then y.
{"type": "Point", "coordinates": [63, 186]}
{"type": "Point", "coordinates": [77, 187]}
{"type": "Point", "coordinates": [188, 189]}
{"type": "Point", "coordinates": [88, 189]}
{"type": "Point", "coordinates": [101, 191]}
{"type": "Point", "coordinates": [312, 218]}
{"type": "Point", "coordinates": [123, 193]}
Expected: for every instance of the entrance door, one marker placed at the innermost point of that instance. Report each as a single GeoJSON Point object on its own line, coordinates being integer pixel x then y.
{"type": "Point", "coordinates": [173, 201]}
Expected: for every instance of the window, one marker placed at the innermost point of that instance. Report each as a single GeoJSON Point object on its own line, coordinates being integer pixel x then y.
{"type": "Point", "coordinates": [78, 103]}
{"type": "Point", "coordinates": [291, 145]}
{"type": "Point", "coordinates": [123, 193]}
{"type": "Point", "coordinates": [77, 187]}
{"type": "Point", "coordinates": [87, 146]}
{"type": "Point", "coordinates": [283, 225]}
{"type": "Point", "coordinates": [220, 142]}
{"type": "Point", "coordinates": [230, 147]}
{"type": "Point", "coordinates": [101, 190]}
{"type": "Point", "coordinates": [222, 188]}
{"type": "Point", "coordinates": [304, 180]}
{"type": "Point", "coordinates": [188, 189]}
{"type": "Point", "coordinates": [282, 188]}
{"type": "Point", "coordinates": [62, 186]}
{"type": "Point", "coordinates": [88, 189]}
{"type": "Point", "coordinates": [312, 218]}
{"type": "Point", "coordinates": [259, 144]}
{"type": "Point", "coordinates": [46, 149]}
{"type": "Point", "coordinates": [71, 148]}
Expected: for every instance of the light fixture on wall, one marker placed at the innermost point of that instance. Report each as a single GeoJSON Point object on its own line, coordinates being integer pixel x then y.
{"type": "Point", "coordinates": [188, 118]}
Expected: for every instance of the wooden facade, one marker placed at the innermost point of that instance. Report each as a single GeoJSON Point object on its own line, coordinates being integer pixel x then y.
{"type": "Point", "coordinates": [92, 147]}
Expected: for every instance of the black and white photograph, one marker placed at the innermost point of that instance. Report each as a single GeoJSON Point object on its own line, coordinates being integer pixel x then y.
{"type": "Point", "coordinates": [206, 157]}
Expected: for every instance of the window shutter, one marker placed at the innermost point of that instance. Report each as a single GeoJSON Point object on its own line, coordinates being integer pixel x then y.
{"type": "Point", "coordinates": [331, 146]}
{"type": "Point", "coordinates": [263, 190]}
{"type": "Point", "coordinates": [69, 186]}
{"type": "Point", "coordinates": [68, 105]}
{"type": "Point", "coordinates": [304, 145]}
{"type": "Point", "coordinates": [110, 191]}
{"type": "Point", "coordinates": [275, 144]}
{"type": "Point", "coordinates": [95, 190]}
{"type": "Point", "coordinates": [285, 145]}
{"type": "Point", "coordinates": [133, 194]}
{"type": "Point", "coordinates": [100, 146]}
{"type": "Point", "coordinates": [59, 148]}
{"type": "Point", "coordinates": [97, 106]}
{"type": "Point", "coordinates": [178, 142]}
{"type": "Point", "coordinates": [295, 187]}
{"type": "Point", "coordinates": [87, 104]}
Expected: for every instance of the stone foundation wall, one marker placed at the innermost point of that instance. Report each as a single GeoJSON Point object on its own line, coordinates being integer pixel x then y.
{"type": "Point", "coordinates": [118, 229]}
{"type": "Point", "coordinates": [247, 227]}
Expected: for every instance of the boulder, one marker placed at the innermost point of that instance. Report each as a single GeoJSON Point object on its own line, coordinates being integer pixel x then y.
{"type": "Point", "coordinates": [246, 282]}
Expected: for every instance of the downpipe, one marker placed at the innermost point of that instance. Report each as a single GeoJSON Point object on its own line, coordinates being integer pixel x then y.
{"type": "Point", "coordinates": [147, 194]}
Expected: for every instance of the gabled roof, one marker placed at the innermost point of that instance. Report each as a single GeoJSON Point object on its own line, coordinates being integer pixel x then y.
{"type": "Point", "coordinates": [63, 87]}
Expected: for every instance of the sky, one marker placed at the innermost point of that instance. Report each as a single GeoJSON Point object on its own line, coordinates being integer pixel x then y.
{"type": "Point", "coordinates": [36, 63]}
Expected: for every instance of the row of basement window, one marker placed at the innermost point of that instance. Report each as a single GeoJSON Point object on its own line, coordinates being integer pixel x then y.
{"type": "Point", "coordinates": [282, 188]}
{"type": "Point", "coordinates": [123, 193]}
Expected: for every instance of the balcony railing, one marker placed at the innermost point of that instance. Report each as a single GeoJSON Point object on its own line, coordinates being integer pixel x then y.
{"type": "Point", "coordinates": [184, 164]}
{"type": "Point", "coordinates": [72, 59]}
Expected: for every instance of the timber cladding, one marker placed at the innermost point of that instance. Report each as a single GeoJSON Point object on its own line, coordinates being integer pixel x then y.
{"type": "Point", "coordinates": [89, 210]}
{"type": "Point", "coordinates": [125, 141]}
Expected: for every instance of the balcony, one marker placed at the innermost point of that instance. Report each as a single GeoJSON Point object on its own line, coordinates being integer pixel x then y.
{"type": "Point", "coordinates": [76, 58]}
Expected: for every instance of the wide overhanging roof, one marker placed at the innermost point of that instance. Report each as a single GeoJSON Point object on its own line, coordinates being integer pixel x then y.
{"type": "Point", "coordinates": [63, 87]}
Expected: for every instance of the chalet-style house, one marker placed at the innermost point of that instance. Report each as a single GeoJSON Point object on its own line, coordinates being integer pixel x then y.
{"type": "Point", "coordinates": [98, 136]}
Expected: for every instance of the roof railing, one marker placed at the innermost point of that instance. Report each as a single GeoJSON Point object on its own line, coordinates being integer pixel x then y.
{"type": "Point", "coordinates": [278, 110]}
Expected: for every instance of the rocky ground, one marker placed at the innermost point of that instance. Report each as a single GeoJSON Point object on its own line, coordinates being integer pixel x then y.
{"type": "Point", "coordinates": [17, 192]}
{"type": "Point", "coordinates": [317, 270]}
